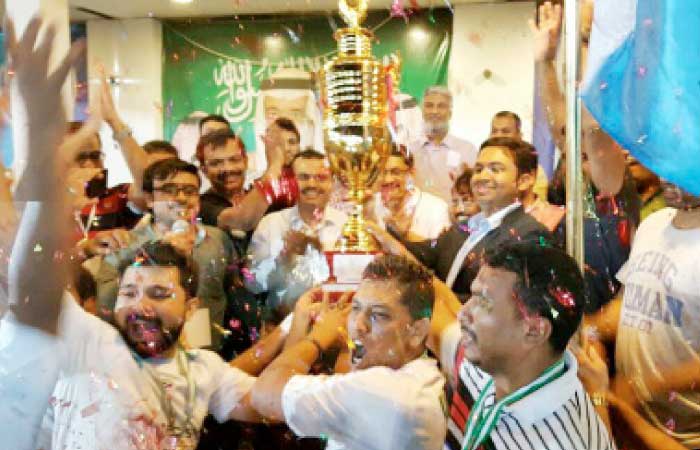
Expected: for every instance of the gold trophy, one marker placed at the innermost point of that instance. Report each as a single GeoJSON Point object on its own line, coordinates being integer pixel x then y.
{"type": "Point", "coordinates": [357, 140]}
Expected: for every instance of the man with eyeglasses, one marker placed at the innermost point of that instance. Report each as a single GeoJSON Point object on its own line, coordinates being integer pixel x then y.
{"type": "Point", "coordinates": [405, 208]}
{"type": "Point", "coordinates": [286, 251]}
{"type": "Point", "coordinates": [172, 190]}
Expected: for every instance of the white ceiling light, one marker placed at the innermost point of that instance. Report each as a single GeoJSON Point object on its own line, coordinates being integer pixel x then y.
{"type": "Point", "coordinates": [182, 2]}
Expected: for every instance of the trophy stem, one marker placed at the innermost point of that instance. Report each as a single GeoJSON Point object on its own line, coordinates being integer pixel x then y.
{"type": "Point", "coordinates": [354, 237]}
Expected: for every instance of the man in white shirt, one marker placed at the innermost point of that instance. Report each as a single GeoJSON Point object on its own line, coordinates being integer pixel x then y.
{"type": "Point", "coordinates": [286, 251]}
{"type": "Point", "coordinates": [513, 383]}
{"type": "Point", "coordinates": [440, 156]}
{"type": "Point", "coordinates": [392, 397]}
{"type": "Point", "coordinates": [138, 386]}
{"type": "Point", "coordinates": [404, 207]}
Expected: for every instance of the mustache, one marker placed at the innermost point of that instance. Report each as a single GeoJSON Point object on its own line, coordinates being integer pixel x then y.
{"type": "Point", "coordinates": [307, 191]}
{"type": "Point", "coordinates": [222, 176]}
{"type": "Point", "coordinates": [147, 335]}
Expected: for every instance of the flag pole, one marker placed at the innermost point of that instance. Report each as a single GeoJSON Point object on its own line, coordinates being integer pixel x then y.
{"type": "Point", "coordinates": [574, 173]}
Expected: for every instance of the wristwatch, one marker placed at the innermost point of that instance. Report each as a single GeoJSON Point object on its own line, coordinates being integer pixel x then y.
{"type": "Point", "coordinates": [122, 133]}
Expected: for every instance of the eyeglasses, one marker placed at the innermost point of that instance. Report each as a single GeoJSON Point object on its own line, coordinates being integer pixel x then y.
{"type": "Point", "coordinates": [173, 190]}
{"type": "Point", "coordinates": [92, 155]}
{"type": "Point", "coordinates": [396, 172]}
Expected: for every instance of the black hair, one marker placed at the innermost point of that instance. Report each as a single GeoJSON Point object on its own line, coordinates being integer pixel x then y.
{"type": "Point", "coordinates": [84, 283]}
{"type": "Point", "coordinates": [165, 169]}
{"type": "Point", "coordinates": [156, 146]}
{"type": "Point", "coordinates": [309, 153]}
{"type": "Point", "coordinates": [414, 281]}
{"type": "Point", "coordinates": [213, 118]}
{"type": "Point", "coordinates": [162, 254]}
{"type": "Point", "coordinates": [511, 115]}
{"type": "Point", "coordinates": [549, 284]}
{"type": "Point", "coordinates": [287, 125]}
{"type": "Point", "coordinates": [401, 151]}
{"type": "Point", "coordinates": [216, 139]}
{"type": "Point", "coordinates": [523, 153]}
{"type": "Point", "coordinates": [464, 179]}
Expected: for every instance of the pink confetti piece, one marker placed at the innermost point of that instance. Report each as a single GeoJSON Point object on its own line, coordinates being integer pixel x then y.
{"type": "Point", "coordinates": [90, 410]}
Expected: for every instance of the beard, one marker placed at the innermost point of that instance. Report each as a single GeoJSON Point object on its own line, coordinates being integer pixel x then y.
{"type": "Point", "coordinates": [433, 128]}
{"type": "Point", "coordinates": [147, 336]}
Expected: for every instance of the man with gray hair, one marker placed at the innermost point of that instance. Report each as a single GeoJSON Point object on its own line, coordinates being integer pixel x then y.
{"type": "Point", "coordinates": [439, 156]}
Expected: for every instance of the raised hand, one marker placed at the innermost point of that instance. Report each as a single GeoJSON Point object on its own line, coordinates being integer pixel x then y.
{"type": "Point", "coordinates": [29, 64]}
{"type": "Point", "coordinates": [274, 151]}
{"type": "Point", "coordinates": [592, 369]}
{"type": "Point", "coordinates": [547, 32]}
{"type": "Point", "coordinates": [38, 98]}
{"type": "Point", "coordinates": [106, 102]}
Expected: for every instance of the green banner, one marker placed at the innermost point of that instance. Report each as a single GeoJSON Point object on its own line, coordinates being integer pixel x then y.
{"type": "Point", "coordinates": [228, 67]}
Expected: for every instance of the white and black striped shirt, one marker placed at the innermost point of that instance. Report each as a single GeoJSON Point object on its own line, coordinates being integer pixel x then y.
{"type": "Point", "coordinates": [558, 416]}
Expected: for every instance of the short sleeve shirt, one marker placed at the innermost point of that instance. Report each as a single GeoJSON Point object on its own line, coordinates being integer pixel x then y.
{"type": "Point", "coordinates": [372, 409]}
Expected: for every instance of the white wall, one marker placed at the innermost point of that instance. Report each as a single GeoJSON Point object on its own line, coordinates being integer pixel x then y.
{"type": "Point", "coordinates": [493, 37]}
{"type": "Point", "coordinates": [132, 51]}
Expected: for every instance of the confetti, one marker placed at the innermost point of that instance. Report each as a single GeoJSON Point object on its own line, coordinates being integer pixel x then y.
{"type": "Point", "coordinates": [670, 424]}
{"type": "Point", "coordinates": [90, 410]}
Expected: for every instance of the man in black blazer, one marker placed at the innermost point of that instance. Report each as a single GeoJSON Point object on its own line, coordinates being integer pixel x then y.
{"type": "Point", "coordinates": [500, 176]}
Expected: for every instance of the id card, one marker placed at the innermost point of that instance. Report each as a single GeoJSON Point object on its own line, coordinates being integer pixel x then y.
{"type": "Point", "coordinates": [198, 329]}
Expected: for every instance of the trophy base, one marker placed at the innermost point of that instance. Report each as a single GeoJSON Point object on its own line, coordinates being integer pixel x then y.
{"type": "Point", "coordinates": [346, 270]}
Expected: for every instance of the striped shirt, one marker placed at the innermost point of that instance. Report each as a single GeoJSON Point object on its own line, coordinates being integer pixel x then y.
{"type": "Point", "coordinates": [558, 416]}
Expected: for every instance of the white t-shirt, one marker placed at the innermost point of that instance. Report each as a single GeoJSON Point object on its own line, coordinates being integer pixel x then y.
{"type": "Point", "coordinates": [104, 398]}
{"type": "Point", "coordinates": [660, 319]}
{"type": "Point", "coordinates": [371, 409]}
{"type": "Point", "coordinates": [430, 214]}
{"type": "Point", "coordinates": [29, 366]}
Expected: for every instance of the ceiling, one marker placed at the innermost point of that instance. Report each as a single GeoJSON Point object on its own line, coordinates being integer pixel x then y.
{"type": "Point", "coordinates": [126, 9]}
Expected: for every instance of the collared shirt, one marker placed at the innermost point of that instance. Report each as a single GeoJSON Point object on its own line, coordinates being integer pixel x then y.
{"type": "Point", "coordinates": [437, 166]}
{"type": "Point", "coordinates": [371, 409]}
{"type": "Point", "coordinates": [558, 416]}
{"type": "Point", "coordinates": [479, 225]}
{"type": "Point", "coordinates": [429, 214]}
{"type": "Point", "coordinates": [309, 269]}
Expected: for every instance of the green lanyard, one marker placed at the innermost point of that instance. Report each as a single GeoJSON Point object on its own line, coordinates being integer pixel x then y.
{"type": "Point", "coordinates": [482, 421]}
